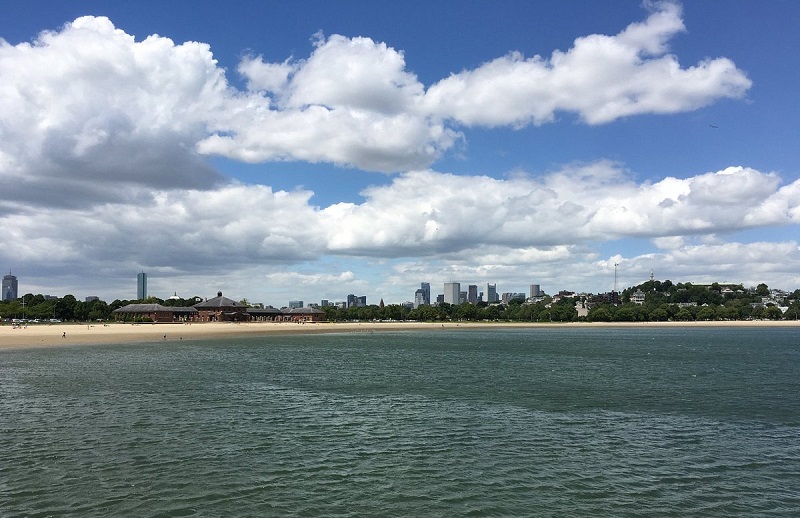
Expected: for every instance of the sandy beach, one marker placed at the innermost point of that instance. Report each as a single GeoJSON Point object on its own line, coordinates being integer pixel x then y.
{"type": "Point", "coordinates": [48, 335]}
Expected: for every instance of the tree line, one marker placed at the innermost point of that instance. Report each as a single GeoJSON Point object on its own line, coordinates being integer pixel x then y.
{"type": "Point", "coordinates": [68, 308]}
{"type": "Point", "coordinates": [664, 301]}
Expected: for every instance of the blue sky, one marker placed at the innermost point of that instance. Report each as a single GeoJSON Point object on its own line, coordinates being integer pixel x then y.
{"type": "Point", "coordinates": [280, 151]}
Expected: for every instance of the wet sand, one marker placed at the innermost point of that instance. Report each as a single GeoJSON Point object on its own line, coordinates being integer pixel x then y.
{"type": "Point", "coordinates": [47, 335]}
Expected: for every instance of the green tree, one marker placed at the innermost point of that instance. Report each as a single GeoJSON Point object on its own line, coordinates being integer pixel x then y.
{"type": "Point", "coordinates": [98, 310]}
{"type": "Point", "coordinates": [706, 313]}
{"type": "Point", "coordinates": [465, 311]}
{"type": "Point", "coordinates": [600, 314]}
{"type": "Point", "coordinates": [563, 312]}
{"type": "Point", "coordinates": [491, 312]}
{"type": "Point", "coordinates": [425, 313]}
{"type": "Point", "coordinates": [80, 311]}
{"type": "Point", "coordinates": [330, 313]}
{"type": "Point", "coordinates": [65, 308]}
{"type": "Point", "coordinates": [530, 312]}
{"type": "Point", "coordinates": [793, 313]}
{"type": "Point", "coordinates": [659, 315]}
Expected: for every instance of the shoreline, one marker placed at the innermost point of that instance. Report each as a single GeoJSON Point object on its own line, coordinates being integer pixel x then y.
{"type": "Point", "coordinates": [55, 335]}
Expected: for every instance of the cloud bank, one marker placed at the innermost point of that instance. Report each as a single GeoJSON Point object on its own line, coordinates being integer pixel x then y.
{"type": "Point", "coordinates": [419, 214]}
{"type": "Point", "coordinates": [105, 143]}
{"type": "Point", "coordinates": [89, 102]}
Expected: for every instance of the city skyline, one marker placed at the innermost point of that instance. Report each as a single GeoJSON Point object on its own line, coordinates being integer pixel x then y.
{"type": "Point", "coordinates": [559, 142]}
{"type": "Point", "coordinates": [452, 295]}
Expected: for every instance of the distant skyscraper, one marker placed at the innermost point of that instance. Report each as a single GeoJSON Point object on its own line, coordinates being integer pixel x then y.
{"type": "Point", "coordinates": [141, 286]}
{"type": "Point", "coordinates": [9, 287]}
{"type": "Point", "coordinates": [294, 304]}
{"type": "Point", "coordinates": [472, 294]}
{"type": "Point", "coordinates": [536, 290]}
{"type": "Point", "coordinates": [419, 298]}
{"type": "Point", "coordinates": [452, 292]}
{"type": "Point", "coordinates": [426, 292]}
{"type": "Point", "coordinates": [491, 293]}
{"type": "Point", "coordinates": [422, 297]}
{"type": "Point", "coordinates": [351, 301]}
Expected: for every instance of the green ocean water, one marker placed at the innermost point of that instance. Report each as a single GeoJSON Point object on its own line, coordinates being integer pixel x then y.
{"type": "Point", "coordinates": [540, 422]}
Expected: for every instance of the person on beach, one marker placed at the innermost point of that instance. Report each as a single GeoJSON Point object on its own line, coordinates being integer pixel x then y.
{"type": "Point", "coordinates": [64, 334]}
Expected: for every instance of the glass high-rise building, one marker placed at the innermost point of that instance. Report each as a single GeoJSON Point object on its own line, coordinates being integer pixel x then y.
{"type": "Point", "coordinates": [452, 292]}
{"type": "Point", "coordinates": [491, 293]}
{"type": "Point", "coordinates": [419, 298]}
{"type": "Point", "coordinates": [472, 294]}
{"type": "Point", "coordinates": [141, 286]}
{"type": "Point", "coordinates": [426, 292]}
{"type": "Point", "coordinates": [10, 287]}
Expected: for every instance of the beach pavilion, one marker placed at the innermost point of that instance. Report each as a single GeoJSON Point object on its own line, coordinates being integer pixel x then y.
{"type": "Point", "coordinates": [155, 313]}
{"type": "Point", "coordinates": [221, 309]}
{"type": "Point", "coordinates": [217, 309]}
{"type": "Point", "coordinates": [305, 315]}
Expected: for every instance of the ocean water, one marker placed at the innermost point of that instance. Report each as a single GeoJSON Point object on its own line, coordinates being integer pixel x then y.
{"type": "Point", "coordinates": [540, 422]}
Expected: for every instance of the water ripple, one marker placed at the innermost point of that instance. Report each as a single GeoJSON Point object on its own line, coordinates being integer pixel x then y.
{"type": "Point", "coordinates": [543, 424]}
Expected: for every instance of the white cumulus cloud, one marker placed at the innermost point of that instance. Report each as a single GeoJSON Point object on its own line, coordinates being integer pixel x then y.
{"type": "Point", "coordinates": [426, 212]}
{"type": "Point", "coordinates": [601, 78]}
{"type": "Point", "coordinates": [89, 102]}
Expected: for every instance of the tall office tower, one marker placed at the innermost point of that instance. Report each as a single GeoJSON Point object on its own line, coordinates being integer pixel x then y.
{"type": "Point", "coordinates": [141, 286]}
{"type": "Point", "coordinates": [491, 293]}
{"type": "Point", "coordinates": [426, 292]}
{"type": "Point", "coordinates": [419, 298]}
{"type": "Point", "coordinates": [10, 287]}
{"type": "Point", "coordinates": [361, 301]}
{"type": "Point", "coordinates": [452, 292]}
{"type": "Point", "coordinates": [472, 294]}
{"type": "Point", "coordinates": [351, 301]}
{"type": "Point", "coordinates": [536, 290]}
